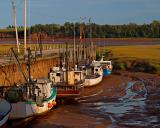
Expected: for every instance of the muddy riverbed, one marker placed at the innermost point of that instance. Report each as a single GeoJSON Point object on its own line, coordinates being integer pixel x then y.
{"type": "Point", "coordinates": [107, 105]}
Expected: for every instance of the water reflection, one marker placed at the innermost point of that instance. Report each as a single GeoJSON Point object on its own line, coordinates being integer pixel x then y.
{"type": "Point", "coordinates": [130, 110]}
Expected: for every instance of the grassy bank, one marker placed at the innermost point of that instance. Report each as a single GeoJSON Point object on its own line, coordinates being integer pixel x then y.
{"type": "Point", "coordinates": [145, 58]}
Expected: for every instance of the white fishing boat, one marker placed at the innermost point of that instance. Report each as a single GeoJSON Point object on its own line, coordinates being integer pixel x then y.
{"type": "Point", "coordinates": [31, 98]}
{"type": "Point", "coordinates": [93, 79]}
{"type": "Point", "coordinates": [106, 65]}
{"type": "Point", "coordinates": [5, 108]}
{"type": "Point", "coordinates": [93, 76]}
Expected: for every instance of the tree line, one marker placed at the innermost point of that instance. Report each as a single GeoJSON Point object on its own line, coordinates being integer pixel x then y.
{"type": "Point", "coordinates": [151, 30]}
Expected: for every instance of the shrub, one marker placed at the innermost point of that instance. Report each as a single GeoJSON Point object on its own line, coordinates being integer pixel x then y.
{"type": "Point", "coordinates": [117, 65]}
{"type": "Point", "coordinates": [143, 66]}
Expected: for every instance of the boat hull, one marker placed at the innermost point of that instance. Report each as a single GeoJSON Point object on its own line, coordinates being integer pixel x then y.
{"type": "Point", "coordinates": [4, 120]}
{"type": "Point", "coordinates": [106, 72]}
{"type": "Point", "coordinates": [89, 82]}
{"type": "Point", "coordinates": [69, 91]}
{"type": "Point", "coordinates": [27, 109]}
{"type": "Point", "coordinates": [106, 66]}
{"type": "Point", "coordinates": [5, 109]}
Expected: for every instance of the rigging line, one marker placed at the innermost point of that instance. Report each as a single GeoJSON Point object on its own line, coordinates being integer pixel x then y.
{"type": "Point", "coordinates": [18, 7]}
{"type": "Point", "coordinates": [17, 4]}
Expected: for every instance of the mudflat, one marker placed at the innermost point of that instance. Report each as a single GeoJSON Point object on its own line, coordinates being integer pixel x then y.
{"type": "Point", "coordinates": [100, 107]}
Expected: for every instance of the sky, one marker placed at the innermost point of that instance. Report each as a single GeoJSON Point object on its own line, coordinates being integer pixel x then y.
{"type": "Point", "coordinates": [61, 11]}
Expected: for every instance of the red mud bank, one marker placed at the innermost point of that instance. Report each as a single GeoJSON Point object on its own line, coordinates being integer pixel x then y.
{"type": "Point", "coordinates": [10, 74]}
{"type": "Point", "coordinates": [76, 114]}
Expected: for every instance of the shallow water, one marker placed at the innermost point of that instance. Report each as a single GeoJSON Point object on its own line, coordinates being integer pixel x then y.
{"type": "Point", "coordinates": [131, 110]}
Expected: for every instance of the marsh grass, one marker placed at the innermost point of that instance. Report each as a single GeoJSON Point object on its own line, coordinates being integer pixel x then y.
{"type": "Point", "coordinates": [143, 58]}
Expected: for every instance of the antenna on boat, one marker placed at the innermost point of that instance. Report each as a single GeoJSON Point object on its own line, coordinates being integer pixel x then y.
{"type": "Point", "coordinates": [15, 25]}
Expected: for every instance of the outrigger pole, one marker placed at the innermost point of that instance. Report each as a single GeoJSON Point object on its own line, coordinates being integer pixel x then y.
{"type": "Point", "coordinates": [19, 65]}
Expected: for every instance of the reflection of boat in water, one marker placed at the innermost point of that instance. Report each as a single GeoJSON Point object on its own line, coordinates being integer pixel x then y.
{"type": "Point", "coordinates": [31, 98]}
{"type": "Point", "coordinates": [138, 87]}
{"type": "Point", "coordinates": [68, 83]}
{"type": "Point", "coordinates": [135, 90]}
{"type": "Point", "coordinates": [5, 108]}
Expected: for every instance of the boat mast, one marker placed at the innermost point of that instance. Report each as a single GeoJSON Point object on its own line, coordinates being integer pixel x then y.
{"type": "Point", "coordinates": [25, 31]}
{"type": "Point", "coordinates": [91, 42]}
{"type": "Point", "coordinates": [66, 63]}
{"type": "Point", "coordinates": [29, 65]}
{"type": "Point", "coordinates": [15, 25]}
{"type": "Point", "coordinates": [81, 33]}
{"type": "Point", "coordinates": [74, 47]}
{"type": "Point", "coordinates": [31, 85]}
{"type": "Point", "coordinates": [60, 56]}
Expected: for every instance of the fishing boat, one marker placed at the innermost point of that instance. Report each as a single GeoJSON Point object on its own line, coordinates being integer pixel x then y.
{"type": "Point", "coordinates": [32, 98]}
{"type": "Point", "coordinates": [26, 102]}
{"type": "Point", "coordinates": [5, 108]}
{"type": "Point", "coordinates": [106, 65]}
{"type": "Point", "coordinates": [68, 83]}
{"type": "Point", "coordinates": [93, 74]}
